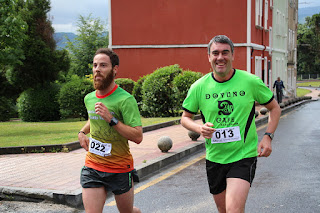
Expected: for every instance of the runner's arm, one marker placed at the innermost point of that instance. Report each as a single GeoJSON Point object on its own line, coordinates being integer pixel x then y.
{"type": "Point", "coordinates": [83, 139]}
{"type": "Point", "coordinates": [264, 148]}
{"type": "Point", "coordinates": [131, 133]}
{"type": "Point", "coordinates": [187, 122]}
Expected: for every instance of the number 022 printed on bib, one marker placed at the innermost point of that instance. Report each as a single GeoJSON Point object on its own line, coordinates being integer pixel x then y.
{"type": "Point", "coordinates": [225, 135]}
{"type": "Point", "coordinates": [99, 148]}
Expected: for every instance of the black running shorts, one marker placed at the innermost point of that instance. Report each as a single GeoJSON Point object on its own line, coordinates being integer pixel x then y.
{"type": "Point", "coordinates": [217, 174]}
{"type": "Point", "coordinates": [118, 183]}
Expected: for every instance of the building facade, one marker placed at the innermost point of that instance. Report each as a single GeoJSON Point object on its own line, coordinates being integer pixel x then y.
{"type": "Point", "coordinates": [292, 46]}
{"type": "Point", "coordinates": [148, 34]}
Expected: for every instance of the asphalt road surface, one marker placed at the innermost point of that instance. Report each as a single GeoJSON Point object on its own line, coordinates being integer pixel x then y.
{"type": "Point", "coordinates": [287, 181]}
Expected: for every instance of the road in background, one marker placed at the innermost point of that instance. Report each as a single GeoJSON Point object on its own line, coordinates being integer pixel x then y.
{"type": "Point", "coordinates": [288, 181]}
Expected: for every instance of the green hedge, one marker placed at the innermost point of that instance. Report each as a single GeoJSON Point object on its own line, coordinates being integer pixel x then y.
{"type": "Point", "coordinates": [71, 97]}
{"type": "Point", "coordinates": [182, 84]}
{"type": "Point", "coordinates": [137, 91]}
{"type": "Point", "coordinates": [39, 104]}
{"type": "Point", "coordinates": [126, 84]}
{"type": "Point", "coordinates": [5, 109]}
{"type": "Point", "coordinates": [158, 98]}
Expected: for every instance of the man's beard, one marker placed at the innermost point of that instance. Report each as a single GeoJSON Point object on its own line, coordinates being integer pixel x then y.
{"type": "Point", "coordinates": [105, 82]}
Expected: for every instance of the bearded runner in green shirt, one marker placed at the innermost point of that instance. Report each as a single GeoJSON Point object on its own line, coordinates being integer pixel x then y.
{"type": "Point", "coordinates": [226, 99]}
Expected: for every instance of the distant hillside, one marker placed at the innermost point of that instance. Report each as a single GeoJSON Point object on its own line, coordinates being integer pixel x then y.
{"type": "Point", "coordinates": [61, 40]}
{"type": "Point", "coordinates": [307, 11]}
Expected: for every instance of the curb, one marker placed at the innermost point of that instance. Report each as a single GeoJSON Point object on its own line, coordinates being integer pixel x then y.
{"type": "Point", "coordinates": [74, 145]}
{"type": "Point", "coordinates": [74, 198]}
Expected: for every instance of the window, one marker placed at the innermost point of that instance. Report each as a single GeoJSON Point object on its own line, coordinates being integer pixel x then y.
{"type": "Point", "coordinates": [266, 14]}
{"type": "Point", "coordinates": [259, 6]}
{"type": "Point", "coordinates": [258, 66]}
{"type": "Point", "coordinates": [266, 71]}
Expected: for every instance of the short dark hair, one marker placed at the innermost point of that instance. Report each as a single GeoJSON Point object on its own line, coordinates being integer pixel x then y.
{"type": "Point", "coordinates": [114, 58]}
{"type": "Point", "coordinates": [221, 39]}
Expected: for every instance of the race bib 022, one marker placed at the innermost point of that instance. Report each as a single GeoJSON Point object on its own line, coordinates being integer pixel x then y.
{"type": "Point", "coordinates": [99, 148]}
{"type": "Point", "coordinates": [225, 135]}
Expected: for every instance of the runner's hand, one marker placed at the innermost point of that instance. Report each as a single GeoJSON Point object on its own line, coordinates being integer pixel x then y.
{"type": "Point", "coordinates": [103, 111]}
{"type": "Point", "coordinates": [206, 130]}
{"type": "Point", "coordinates": [84, 141]}
{"type": "Point", "coordinates": [264, 147]}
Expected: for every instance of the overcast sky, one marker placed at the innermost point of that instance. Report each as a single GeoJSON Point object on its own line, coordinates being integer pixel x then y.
{"type": "Point", "coordinates": [65, 13]}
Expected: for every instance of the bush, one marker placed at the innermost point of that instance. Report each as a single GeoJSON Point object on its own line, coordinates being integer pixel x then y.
{"type": "Point", "coordinates": [71, 97]}
{"type": "Point", "coordinates": [182, 84]}
{"type": "Point", "coordinates": [5, 109]}
{"type": "Point", "coordinates": [158, 95]}
{"type": "Point", "coordinates": [39, 104]}
{"type": "Point", "coordinates": [137, 91]}
{"type": "Point", "coordinates": [126, 84]}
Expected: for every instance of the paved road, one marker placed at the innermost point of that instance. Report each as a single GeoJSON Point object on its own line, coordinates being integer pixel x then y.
{"type": "Point", "coordinates": [288, 181]}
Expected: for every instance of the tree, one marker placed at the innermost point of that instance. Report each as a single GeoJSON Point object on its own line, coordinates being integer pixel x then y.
{"type": "Point", "coordinates": [12, 32]}
{"type": "Point", "coordinates": [309, 46]}
{"type": "Point", "coordinates": [91, 36]}
{"type": "Point", "coordinates": [42, 61]}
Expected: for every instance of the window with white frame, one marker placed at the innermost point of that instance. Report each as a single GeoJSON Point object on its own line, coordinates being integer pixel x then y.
{"type": "Point", "coordinates": [270, 40]}
{"type": "Point", "coordinates": [266, 14]}
{"type": "Point", "coordinates": [258, 14]}
{"type": "Point", "coordinates": [258, 66]}
{"type": "Point", "coordinates": [265, 78]}
{"type": "Point", "coordinates": [277, 27]}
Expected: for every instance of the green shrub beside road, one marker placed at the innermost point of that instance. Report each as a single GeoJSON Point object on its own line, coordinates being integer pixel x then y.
{"type": "Point", "coordinates": [39, 104]}
{"type": "Point", "coordinates": [126, 83]}
{"type": "Point", "coordinates": [71, 97]}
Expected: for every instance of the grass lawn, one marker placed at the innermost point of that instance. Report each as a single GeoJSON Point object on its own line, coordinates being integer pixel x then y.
{"type": "Point", "coordinates": [18, 133]}
{"type": "Point", "coordinates": [302, 92]}
{"type": "Point", "coordinates": [308, 83]}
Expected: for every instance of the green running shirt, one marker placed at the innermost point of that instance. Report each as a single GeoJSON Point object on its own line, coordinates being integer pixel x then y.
{"type": "Point", "coordinates": [229, 104]}
{"type": "Point", "coordinates": [122, 106]}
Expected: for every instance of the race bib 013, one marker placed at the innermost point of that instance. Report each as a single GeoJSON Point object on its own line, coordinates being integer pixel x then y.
{"type": "Point", "coordinates": [225, 135]}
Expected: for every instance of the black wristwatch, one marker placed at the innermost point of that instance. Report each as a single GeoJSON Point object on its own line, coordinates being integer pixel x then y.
{"type": "Point", "coordinates": [113, 121]}
{"type": "Point", "coordinates": [271, 135]}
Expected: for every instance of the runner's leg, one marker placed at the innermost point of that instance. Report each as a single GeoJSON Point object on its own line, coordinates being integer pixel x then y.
{"type": "Point", "coordinates": [220, 200]}
{"type": "Point", "coordinates": [94, 199]}
{"type": "Point", "coordinates": [236, 194]}
{"type": "Point", "coordinates": [125, 202]}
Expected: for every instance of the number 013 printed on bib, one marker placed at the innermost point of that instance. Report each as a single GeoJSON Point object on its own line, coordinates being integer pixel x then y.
{"type": "Point", "coordinates": [225, 135]}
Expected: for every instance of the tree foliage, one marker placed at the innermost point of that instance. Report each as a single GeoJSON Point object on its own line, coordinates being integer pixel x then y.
{"type": "Point", "coordinates": [92, 35]}
{"type": "Point", "coordinates": [309, 46]}
{"type": "Point", "coordinates": [12, 32]}
{"type": "Point", "coordinates": [42, 61]}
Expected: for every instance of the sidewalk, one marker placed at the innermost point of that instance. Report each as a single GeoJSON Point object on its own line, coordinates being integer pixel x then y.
{"type": "Point", "coordinates": [55, 176]}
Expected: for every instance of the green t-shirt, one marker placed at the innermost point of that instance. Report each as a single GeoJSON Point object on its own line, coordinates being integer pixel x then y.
{"type": "Point", "coordinates": [124, 107]}
{"type": "Point", "coordinates": [229, 104]}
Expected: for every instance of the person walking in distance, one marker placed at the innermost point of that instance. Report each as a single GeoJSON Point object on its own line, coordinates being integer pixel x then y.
{"type": "Point", "coordinates": [278, 84]}
{"type": "Point", "coordinates": [226, 99]}
{"type": "Point", "coordinates": [114, 119]}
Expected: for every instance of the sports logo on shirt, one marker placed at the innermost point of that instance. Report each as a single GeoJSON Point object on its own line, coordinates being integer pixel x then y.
{"type": "Point", "coordinates": [226, 107]}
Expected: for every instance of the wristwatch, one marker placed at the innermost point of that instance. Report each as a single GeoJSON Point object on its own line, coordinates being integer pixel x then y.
{"type": "Point", "coordinates": [271, 135]}
{"type": "Point", "coordinates": [113, 121]}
